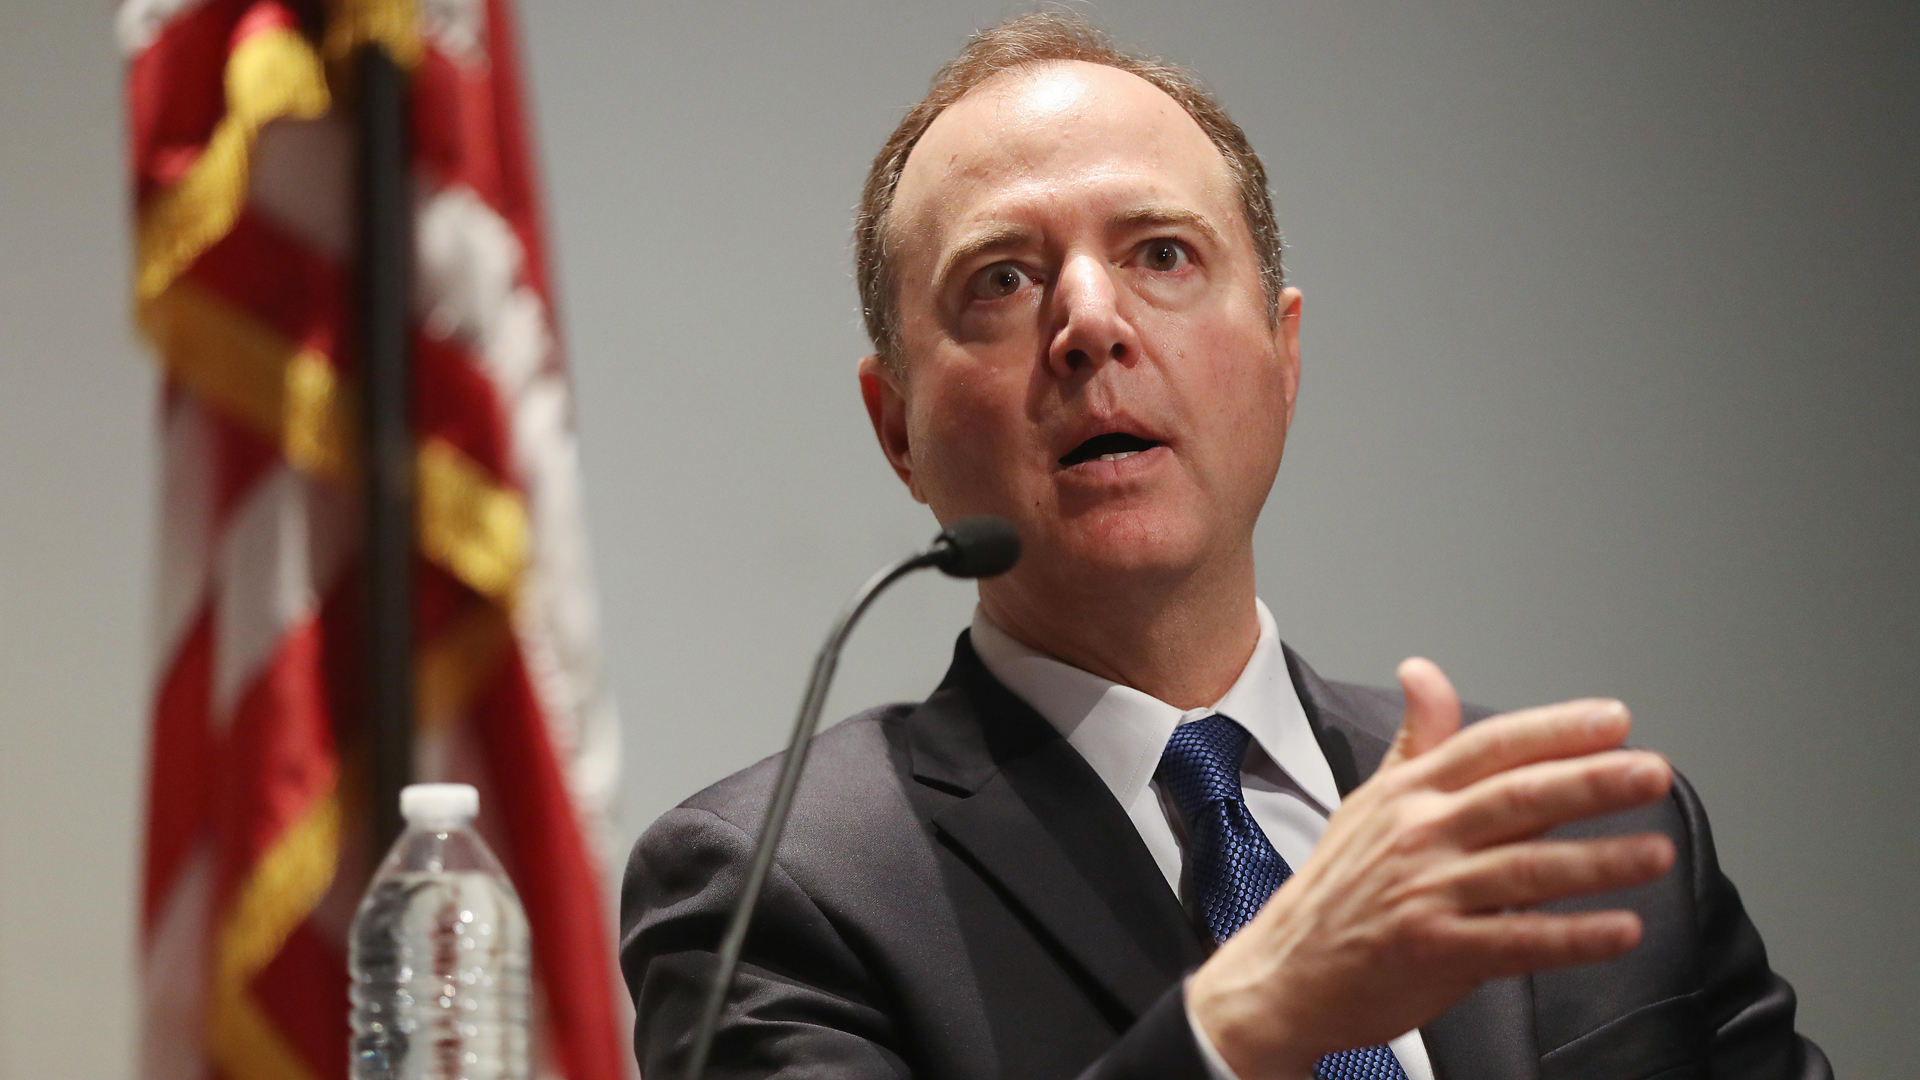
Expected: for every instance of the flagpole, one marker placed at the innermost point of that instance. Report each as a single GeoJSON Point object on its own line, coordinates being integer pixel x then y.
{"type": "Point", "coordinates": [386, 382]}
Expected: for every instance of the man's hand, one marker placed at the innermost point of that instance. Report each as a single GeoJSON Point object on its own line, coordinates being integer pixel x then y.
{"type": "Point", "coordinates": [1419, 889]}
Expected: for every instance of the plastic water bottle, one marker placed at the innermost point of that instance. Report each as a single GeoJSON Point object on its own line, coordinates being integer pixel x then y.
{"type": "Point", "coordinates": [439, 953]}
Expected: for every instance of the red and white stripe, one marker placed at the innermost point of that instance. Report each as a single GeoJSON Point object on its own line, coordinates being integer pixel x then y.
{"type": "Point", "coordinates": [250, 550]}
{"type": "Point", "coordinates": [483, 294]}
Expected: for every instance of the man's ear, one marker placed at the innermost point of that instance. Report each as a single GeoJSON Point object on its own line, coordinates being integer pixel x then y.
{"type": "Point", "coordinates": [1286, 341]}
{"type": "Point", "coordinates": [886, 401]}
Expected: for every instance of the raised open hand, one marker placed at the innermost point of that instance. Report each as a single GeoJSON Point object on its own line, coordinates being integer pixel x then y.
{"type": "Point", "coordinates": [1422, 886]}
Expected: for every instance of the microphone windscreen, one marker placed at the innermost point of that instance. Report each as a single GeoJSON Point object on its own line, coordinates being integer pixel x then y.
{"type": "Point", "coordinates": [977, 547]}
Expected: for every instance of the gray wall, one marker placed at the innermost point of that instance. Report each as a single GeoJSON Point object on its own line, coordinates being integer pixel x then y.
{"type": "Point", "coordinates": [1611, 388]}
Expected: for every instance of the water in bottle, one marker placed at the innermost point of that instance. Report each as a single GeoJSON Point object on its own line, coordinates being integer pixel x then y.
{"type": "Point", "coordinates": [439, 953]}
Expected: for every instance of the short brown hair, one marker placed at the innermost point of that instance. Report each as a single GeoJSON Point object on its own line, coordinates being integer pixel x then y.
{"type": "Point", "coordinates": [1040, 38]}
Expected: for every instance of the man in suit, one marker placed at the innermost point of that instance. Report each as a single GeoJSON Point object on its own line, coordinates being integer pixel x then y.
{"type": "Point", "coordinates": [1132, 834]}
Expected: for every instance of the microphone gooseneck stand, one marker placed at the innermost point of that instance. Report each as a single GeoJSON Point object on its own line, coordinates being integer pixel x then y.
{"type": "Point", "coordinates": [975, 547]}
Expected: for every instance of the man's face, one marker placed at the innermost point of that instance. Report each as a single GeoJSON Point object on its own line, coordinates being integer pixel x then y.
{"type": "Point", "coordinates": [1088, 347]}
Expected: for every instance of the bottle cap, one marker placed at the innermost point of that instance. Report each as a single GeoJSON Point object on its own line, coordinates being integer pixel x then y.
{"type": "Point", "coordinates": [423, 804]}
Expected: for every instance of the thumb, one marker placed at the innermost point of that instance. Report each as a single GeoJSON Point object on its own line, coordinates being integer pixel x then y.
{"type": "Point", "coordinates": [1433, 710]}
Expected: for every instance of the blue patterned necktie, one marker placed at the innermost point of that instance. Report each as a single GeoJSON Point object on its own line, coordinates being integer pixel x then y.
{"type": "Point", "coordinates": [1231, 868]}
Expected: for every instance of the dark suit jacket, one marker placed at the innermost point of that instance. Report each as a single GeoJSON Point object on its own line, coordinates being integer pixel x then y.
{"type": "Point", "coordinates": [958, 895]}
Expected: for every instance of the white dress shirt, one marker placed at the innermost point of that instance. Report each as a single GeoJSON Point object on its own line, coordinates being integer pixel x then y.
{"type": "Point", "coordinates": [1122, 732]}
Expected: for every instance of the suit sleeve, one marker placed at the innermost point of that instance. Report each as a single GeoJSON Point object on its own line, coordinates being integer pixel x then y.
{"type": "Point", "coordinates": [1749, 1008]}
{"type": "Point", "coordinates": [801, 1005]}
{"type": "Point", "coordinates": [1160, 1044]}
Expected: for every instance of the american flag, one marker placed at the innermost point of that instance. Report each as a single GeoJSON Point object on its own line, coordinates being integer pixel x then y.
{"type": "Point", "coordinates": [242, 156]}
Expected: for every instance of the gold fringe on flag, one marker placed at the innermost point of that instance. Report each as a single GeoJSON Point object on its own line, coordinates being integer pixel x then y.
{"type": "Point", "coordinates": [451, 668]}
{"type": "Point", "coordinates": [285, 886]}
{"type": "Point", "coordinates": [470, 524]}
{"type": "Point", "coordinates": [255, 375]}
{"type": "Point", "coordinates": [270, 75]}
{"type": "Point", "coordinates": [393, 24]}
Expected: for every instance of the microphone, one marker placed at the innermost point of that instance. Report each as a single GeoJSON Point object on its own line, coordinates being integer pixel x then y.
{"type": "Point", "coordinates": [974, 547]}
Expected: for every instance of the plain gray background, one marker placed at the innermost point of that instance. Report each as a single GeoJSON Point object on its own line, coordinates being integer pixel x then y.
{"type": "Point", "coordinates": [1611, 387]}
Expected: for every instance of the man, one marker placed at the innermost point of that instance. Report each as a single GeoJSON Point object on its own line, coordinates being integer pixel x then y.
{"type": "Point", "coordinates": [1070, 859]}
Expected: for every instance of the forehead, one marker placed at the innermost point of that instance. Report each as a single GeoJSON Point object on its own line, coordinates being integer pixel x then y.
{"type": "Point", "coordinates": [1061, 136]}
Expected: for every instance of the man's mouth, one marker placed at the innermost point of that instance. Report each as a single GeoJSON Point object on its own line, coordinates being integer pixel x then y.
{"type": "Point", "coordinates": [1112, 446]}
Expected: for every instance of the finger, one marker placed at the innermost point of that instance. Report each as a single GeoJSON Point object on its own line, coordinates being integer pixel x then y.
{"type": "Point", "coordinates": [1569, 729]}
{"type": "Point", "coordinates": [1515, 943]}
{"type": "Point", "coordinates": [1433, 710]}
{"type": "Point", "coordinates": [1529, 800]}
{"type": "Point", "coordinates": [1522, 875]}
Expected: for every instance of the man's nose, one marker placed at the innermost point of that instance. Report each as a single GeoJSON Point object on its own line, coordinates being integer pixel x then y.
{"type": "Point", "coordinates": [1089, 327]}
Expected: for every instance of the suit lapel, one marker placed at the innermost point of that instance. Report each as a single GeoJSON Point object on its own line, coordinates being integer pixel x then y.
{"type": "Point", "coordinates": [999, 833]}
{"type": "Point", "coordinates": [1488, 1035]}
{"type": "Point", "coordinates": [1036, 820]}
{"type": "Point", "coordinates": [1353, 740]}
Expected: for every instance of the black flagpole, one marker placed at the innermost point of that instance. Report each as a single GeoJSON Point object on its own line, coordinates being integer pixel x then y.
{"type": "Point", "coordinates": [385, 223]}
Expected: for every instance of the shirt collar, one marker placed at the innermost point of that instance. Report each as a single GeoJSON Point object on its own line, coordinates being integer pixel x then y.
{"type": "Point", "coordinates": [1122, 732]}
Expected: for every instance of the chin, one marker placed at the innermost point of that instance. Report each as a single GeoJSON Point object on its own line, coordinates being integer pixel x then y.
{"type": "Point", "coordinates": [1126, 544]}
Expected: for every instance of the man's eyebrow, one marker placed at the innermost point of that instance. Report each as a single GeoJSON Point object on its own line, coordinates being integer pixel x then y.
{"type": "Point", "coordinates": [991, 238]}
{"type": "Point", "coordinates": [1163, 215]}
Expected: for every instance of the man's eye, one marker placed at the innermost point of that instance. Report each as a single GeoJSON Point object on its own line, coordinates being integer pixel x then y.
{"type": "Point", "coordinates": [996, 281]}
{"type": "Point", "coordinates": [1164, 255]}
